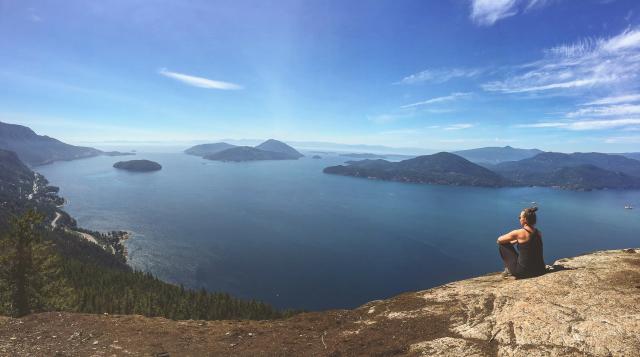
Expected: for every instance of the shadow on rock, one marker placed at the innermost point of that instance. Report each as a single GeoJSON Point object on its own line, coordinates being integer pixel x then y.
{"type": "Point", "coordinates": [556, 268]}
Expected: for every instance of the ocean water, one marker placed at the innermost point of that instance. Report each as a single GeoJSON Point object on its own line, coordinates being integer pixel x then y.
{"type": "Point", "coordinates": [285, 233]}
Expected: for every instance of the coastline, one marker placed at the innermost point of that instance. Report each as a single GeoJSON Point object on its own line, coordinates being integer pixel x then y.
{"type": "Point", "coordinates": [112, 242]}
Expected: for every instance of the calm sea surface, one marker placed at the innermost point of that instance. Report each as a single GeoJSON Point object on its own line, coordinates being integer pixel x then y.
{"type": "Point", "coordinates": [285, 233]}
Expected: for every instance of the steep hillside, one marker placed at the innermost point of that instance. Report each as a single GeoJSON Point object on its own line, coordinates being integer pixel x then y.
{"type": "Point", "coordinates": [87, 271]}
{"type": "Point", "coordinates": [35, 149]}
{"type": "Point", "coordinates": [611, 162]}
{"type": "Point", "coordinates": [588, 306]}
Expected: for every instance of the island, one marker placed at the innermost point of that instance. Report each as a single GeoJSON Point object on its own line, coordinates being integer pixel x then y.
{"type": "Point", "coordinates": [269, 150]}
{"type": "Point", "coordinates": [278, 146]}
{"type": "Point", "coordinates": [117, 153]}
{"type": "Point", "coordinates": [577, 171]}
{"type": "Point", "coordinates": [246, 153]}
{"type": "Point", "coordinates": [138, 165]}
{"type": "Point", "coordinates": [316, 157]}
{"type": "Point", "coordinates": [442, 168]}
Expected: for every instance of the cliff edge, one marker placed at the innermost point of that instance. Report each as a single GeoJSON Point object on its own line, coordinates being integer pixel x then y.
{"type": "Point", "coordinates": [588, 307]}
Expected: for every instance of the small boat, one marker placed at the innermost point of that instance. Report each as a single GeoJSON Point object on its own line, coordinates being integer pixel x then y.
{"type": "Point", "coordinates": [628, 207]}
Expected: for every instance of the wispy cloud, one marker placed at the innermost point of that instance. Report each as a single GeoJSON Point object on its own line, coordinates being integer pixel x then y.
{"type": "Point", "coordinates": [627, 98]}
{"type": "Point", "coordinates": [385, 118]}
{"type": "Point", "coordinates": [586, 124]}
{"type": "Point", "coordinates": [476, 141]}
{"type": "Point", "coordinates": [447, 98]}
{"type": "Point", "coordinates": [603, 111]}
{"type": "Point", "coordinates": [588, 63]}
{"type": "Point", "coordinates": [536, 4]}
{"type": "Point", "coordinates": [543, 125]}
{"type": "Point", "coordinates": [633, 139]}
{"type": "Point", "coordinates": [488, 12]}
{"type": "Point", "coordinates": [200, 82]}
{"type": "Point", "coordinates": [32, 15]}
{"type": "Point", "coordinates": [458, 126]}
{"type": "Point", "coordinates": [440, 75]}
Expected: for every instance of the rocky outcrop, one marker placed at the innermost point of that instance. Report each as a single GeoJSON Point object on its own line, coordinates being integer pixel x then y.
{"type": "Point", "coordinates": [588, 306]}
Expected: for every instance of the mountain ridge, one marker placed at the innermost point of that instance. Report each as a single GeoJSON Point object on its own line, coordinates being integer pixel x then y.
{"type": "Point", "coordinates": [574, 171]}
{"type": "Point", "coordinates": [36, 150]}
{"type": "Point", "coordinates": [495, 154]}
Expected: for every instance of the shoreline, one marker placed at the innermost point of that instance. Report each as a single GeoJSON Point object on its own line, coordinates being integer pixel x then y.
{"type": "Point", "coordinates": [104, 239]}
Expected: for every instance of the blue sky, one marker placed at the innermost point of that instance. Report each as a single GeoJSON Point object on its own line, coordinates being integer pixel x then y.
{"type": "Point", "coordinates": [556, 74]}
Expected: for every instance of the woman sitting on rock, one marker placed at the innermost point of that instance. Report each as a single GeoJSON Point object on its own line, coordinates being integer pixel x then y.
{"type": "Point", "coordinates": [529, 262]}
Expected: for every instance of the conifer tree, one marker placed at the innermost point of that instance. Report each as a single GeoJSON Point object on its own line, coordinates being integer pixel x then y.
{"type": "Point", "coordinates": [29, 269]}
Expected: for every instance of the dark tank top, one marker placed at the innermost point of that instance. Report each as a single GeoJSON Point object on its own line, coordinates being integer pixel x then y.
{"type": "Point", "coordinates": [530, 258]}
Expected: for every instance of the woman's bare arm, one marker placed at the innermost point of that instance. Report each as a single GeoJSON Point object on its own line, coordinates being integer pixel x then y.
{"type": "Point", "coordinates": [509, 238]}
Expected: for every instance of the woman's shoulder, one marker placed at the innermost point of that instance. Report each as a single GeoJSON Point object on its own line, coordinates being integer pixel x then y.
{"type": "Point", "coordinates": [522, 233]}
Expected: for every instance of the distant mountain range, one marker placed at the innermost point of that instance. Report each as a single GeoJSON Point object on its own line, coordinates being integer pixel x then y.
{"type": "Point", "coordinates": [268, 150]}
{"type": "Point", "coordinates": [364, 156]}
{"type": "Point", "coordinates": [550, 161]}
{"type": "Point", "coordinates": [207, 149]}
{"type": "Point", "coordinates": [442, 168]}
{"type": "Point", "coordinates": [489, 166]}
{"type": "Point", "coordinates": [631, 155]}
{"type": "Point", "coordinates": [35, 149]}
{"type": "Point", "coordinates": [575, 171]}
{"type": "Point", "coordinates": [583, 177]}
{"type": "Point", "coordinates": [496, 155]}
{"type": "Point", "coordinates": [578, 171]}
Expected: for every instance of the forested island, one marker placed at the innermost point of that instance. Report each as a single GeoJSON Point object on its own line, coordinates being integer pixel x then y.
{"type": "Point", "coordinates": [577, 171]}
{"type": "Point", "coordinates": [441, 168]}
{"type": "Point", "coordinates": [268, 150]}
{"type": "Point", "coordinates": [138, 165]}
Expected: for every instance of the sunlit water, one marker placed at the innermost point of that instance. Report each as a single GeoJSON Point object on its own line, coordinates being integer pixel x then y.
{"type": "Point", "coordinates": [285, 233]}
